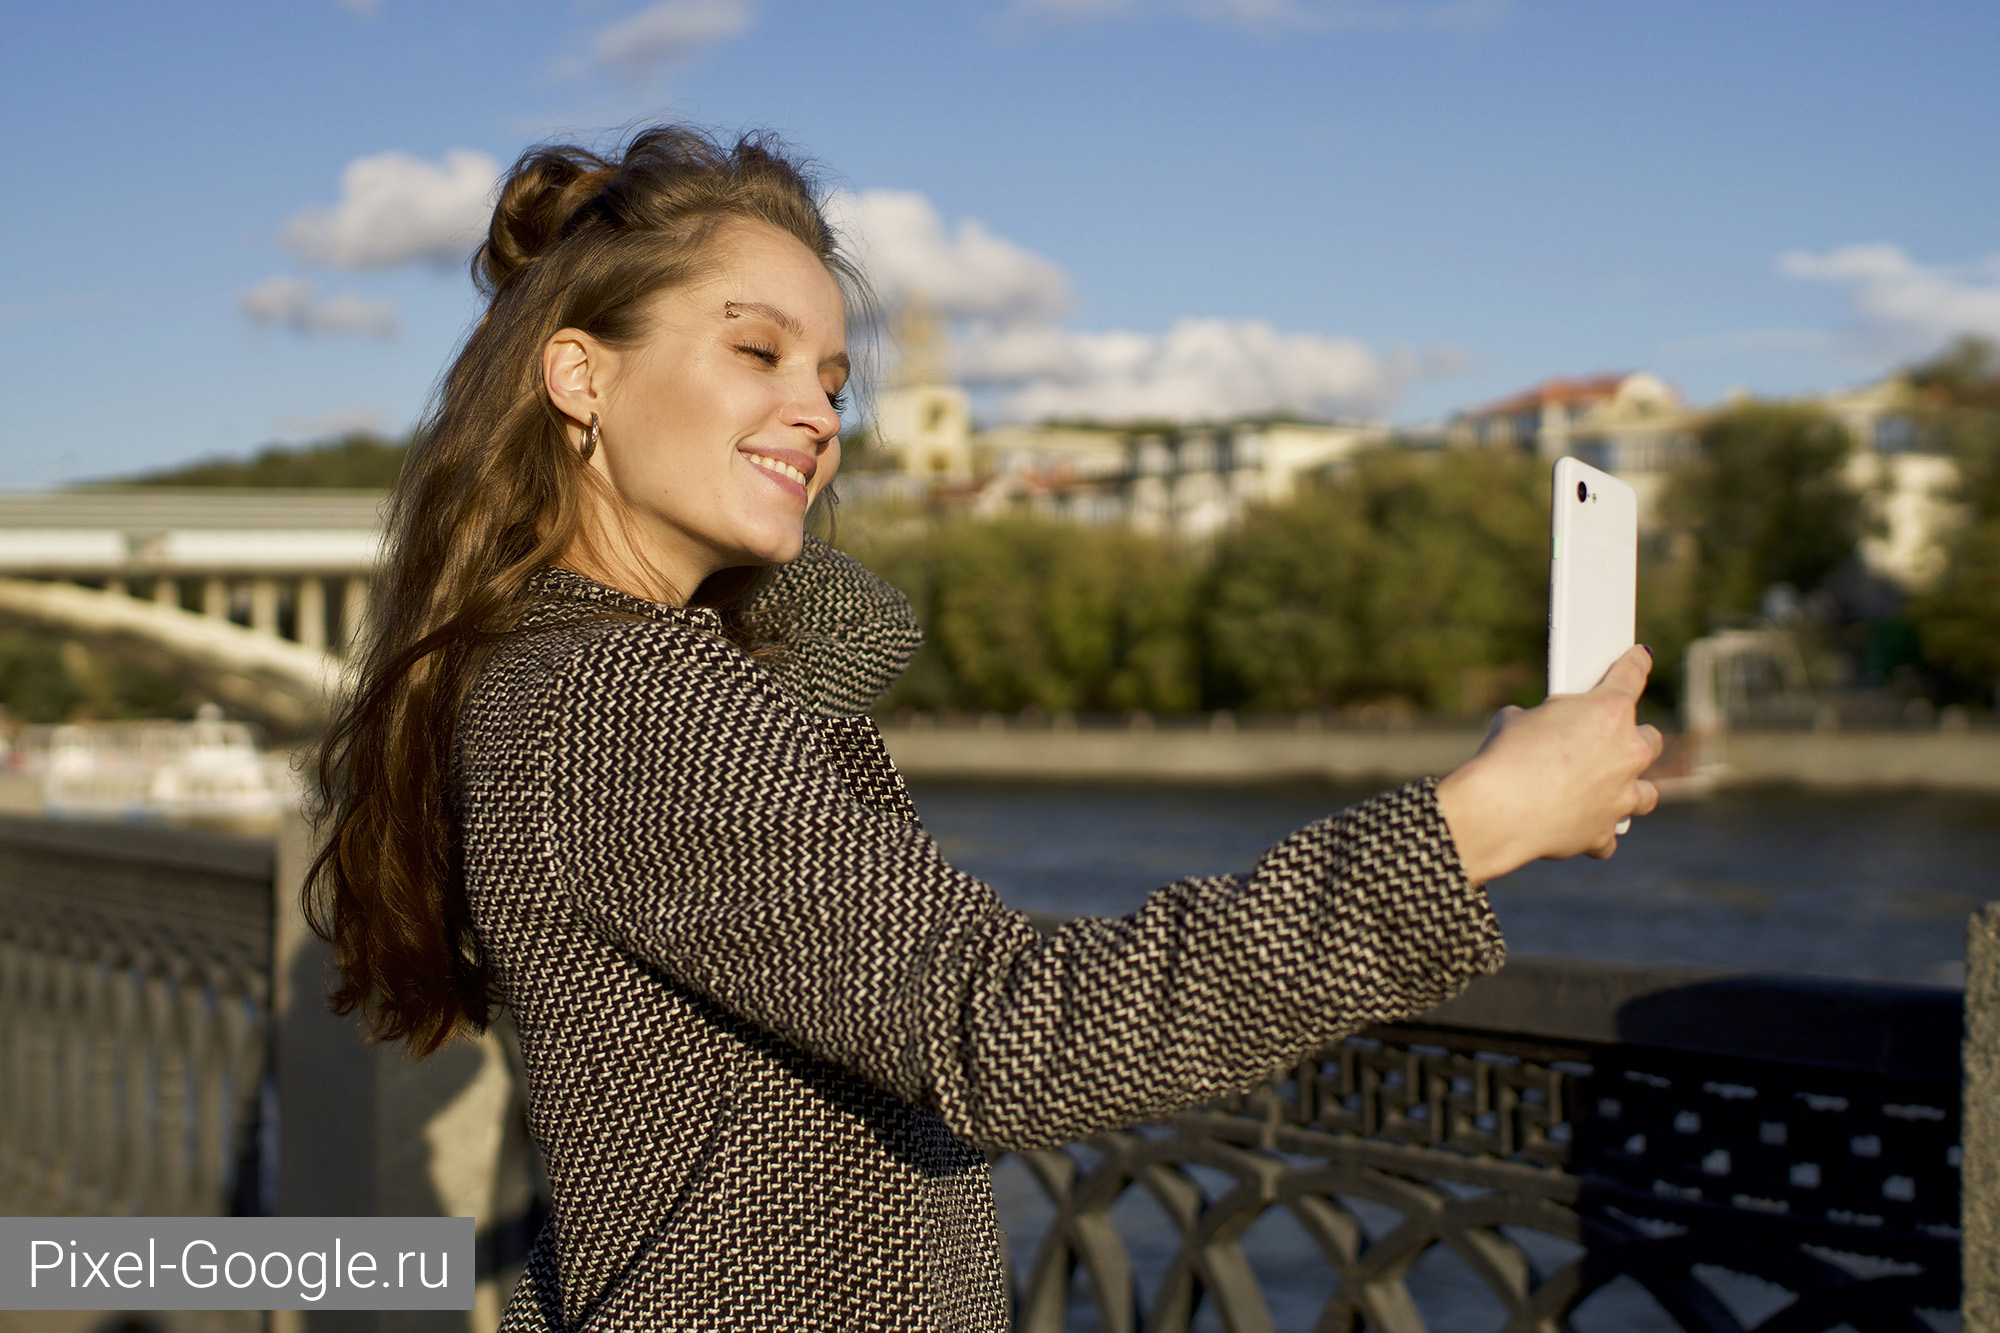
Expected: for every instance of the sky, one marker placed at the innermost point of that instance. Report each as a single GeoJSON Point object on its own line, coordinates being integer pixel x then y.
{"type": "Point", "coordinates": [233, 224]}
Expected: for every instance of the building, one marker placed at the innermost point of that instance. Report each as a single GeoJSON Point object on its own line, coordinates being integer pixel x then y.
{"type": "Point", "coordinates": [1634, 426]}
{"type": "Point", "coordinates": [1193, 480]}
{"type": "Point", "coordinates": [926, 430]}
{"type": "Point", "coordinates": [921, 420]}
{"type": "Point", "coordinates": [1911, 488]}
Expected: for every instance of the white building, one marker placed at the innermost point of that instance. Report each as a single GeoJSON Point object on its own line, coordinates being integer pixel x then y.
{"type": "Point", "coordinates": [1911, 492]}
{"type": "Point", "coordinates": [1634, 426]}
{"type": "Point", "coordinates": [926, 429]}
{"type": "Point", "coordinates": [1191, 480]}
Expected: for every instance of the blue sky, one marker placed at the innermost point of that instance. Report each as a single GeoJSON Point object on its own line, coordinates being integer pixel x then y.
{"type": "Point", "coordinates": [1392, 207]}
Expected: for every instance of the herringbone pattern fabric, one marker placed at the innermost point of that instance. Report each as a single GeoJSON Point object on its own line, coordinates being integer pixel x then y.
{"type": "Point", "coordinates": [770, 1032]}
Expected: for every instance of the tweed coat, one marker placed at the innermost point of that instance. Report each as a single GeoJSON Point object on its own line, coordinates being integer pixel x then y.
{"type": "Point", "coordinates": [771, 1034]}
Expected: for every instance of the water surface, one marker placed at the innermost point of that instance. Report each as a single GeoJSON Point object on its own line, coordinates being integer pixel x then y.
{"type": "Point", "coordinates": [1871, 886]}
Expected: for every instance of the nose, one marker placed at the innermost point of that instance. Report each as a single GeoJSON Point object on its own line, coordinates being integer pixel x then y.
{"type": "Point", "coordinates": [811, 412]}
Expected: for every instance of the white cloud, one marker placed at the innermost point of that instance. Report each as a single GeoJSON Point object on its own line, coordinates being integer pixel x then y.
{"type": "Point", "coordinates": [664, 35]}
{"type": "Point", "coordinates": [1000, 303]}
{"type": "Point", "coordinates": [293, 303]}
{"type": "Point", "coordinates": [395, 208]}
{"type": "Point", "coordinates": [1906, 308]}
{"type": "Point", "coordinates": [966, 272]}
{"type": "Point", "coordinates": [1199, 370]}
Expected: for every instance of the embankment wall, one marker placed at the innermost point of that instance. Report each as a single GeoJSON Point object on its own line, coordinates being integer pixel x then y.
{"type": "Point", "coordinates": [1945, 760]}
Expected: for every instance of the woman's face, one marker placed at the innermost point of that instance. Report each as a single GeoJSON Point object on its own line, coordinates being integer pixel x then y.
{"type": "Point", "coordinates": [720, 426]}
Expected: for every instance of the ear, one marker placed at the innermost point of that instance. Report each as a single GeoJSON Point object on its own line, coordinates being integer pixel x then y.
{"type": "Point", "coordinates": [576, 370]}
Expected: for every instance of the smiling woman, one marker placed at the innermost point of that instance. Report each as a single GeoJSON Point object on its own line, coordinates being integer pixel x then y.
{"type": "Point", "coordinates": [719, 427]}
{"type": "Point", "coordinates": [608, 761]}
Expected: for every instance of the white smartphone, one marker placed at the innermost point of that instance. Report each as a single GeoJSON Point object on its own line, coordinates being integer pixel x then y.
{"type": "Point", "coordinates": [1593, 576]}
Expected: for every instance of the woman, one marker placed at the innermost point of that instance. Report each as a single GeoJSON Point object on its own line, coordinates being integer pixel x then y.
{"type": "Point", "coordinates": [609, 761]}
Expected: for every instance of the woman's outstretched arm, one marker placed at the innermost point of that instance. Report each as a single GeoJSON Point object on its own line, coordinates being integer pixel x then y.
{"type": "Point", "coordinates": [694, 820]}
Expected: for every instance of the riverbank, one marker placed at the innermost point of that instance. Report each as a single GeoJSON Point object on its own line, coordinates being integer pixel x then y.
{"type": "Point", "coordinates": [1841, 761]}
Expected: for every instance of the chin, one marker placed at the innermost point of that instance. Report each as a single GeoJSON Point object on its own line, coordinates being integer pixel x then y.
{"type": "Point", "coordinates": [777, 548]}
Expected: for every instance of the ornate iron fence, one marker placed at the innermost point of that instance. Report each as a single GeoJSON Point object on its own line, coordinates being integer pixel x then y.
{"type": "Point", "coordinates": [1568, 1146]}
{"type": "Point", "coordinates": [135, 986]}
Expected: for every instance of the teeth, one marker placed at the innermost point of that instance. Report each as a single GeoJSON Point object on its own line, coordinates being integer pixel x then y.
{"type": "Point", "coordinates": [782, 469]}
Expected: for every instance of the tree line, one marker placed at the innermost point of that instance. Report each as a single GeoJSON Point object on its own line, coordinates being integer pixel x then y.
{"type": "Point", "coordinates": [1410, 580]}
{"type": "Point", "coordinates": [1416, 580]}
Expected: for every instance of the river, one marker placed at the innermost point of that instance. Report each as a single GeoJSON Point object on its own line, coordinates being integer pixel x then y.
{"type": "Point", "coordinates": [1872, 886]}
{"type": "Point", "coordinates": [1866, 886]}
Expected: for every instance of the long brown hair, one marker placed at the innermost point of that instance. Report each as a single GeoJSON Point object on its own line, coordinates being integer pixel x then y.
{"type": "Point", "coordinates": [491, 492]}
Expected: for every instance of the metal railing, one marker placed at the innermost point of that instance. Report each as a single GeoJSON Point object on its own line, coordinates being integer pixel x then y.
{"type": "Point", "coordinates": [1568, 1145]}
{"type": "Point", "coordinates": [1630, 1147]}
{"type": "Point", "coordinates": [135, 986]}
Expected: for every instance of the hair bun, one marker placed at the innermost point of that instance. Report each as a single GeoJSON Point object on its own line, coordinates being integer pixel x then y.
{"type": "Point", "coordinates": [546, 188]}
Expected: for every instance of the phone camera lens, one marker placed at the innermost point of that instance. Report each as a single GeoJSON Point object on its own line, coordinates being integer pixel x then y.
{"type": "Point", "coordinates": [1582, 492]}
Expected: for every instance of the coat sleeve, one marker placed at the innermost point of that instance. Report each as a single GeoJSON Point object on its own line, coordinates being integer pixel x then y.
{"type": "Point", "coordinates": [693, 819]}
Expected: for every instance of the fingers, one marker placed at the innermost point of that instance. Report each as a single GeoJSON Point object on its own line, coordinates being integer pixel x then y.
{"type": "Point", "coordinates": [1501, 721]}
{"type": "Point", "coordinates": [1648, 798]}
{"type": "Point", "coordinates": [1655, 742]}
{"type": "Point", "coordinates": [1603, 851]}
{"type": "Point", "coordinates": [1627, 676]}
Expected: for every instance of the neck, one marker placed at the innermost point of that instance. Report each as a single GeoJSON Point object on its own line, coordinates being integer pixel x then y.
{"type": "Point", "coordinates": [611, 554]}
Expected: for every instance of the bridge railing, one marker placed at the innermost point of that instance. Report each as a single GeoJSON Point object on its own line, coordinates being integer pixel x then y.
{"type": "Point", "coordinates": [1568, 1145]}
{"type": "Point", "coordinates": [1622, 1147]}
{"type": "Point", "coordinates": [135, 990]}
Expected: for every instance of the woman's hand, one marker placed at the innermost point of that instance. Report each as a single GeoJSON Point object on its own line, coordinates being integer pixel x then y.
{"type": "Point", "coordinates": [1555, 780]}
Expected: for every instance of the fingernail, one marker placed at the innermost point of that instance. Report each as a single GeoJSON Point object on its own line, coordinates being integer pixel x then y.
{"type": "Point", "coordinates": [1648, 647]}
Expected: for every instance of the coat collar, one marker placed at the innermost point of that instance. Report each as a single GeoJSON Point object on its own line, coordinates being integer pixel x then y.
{"type": "Point", "coordinates": [562, 593]}
{"type": "Point", "coordinates": [846, 634]}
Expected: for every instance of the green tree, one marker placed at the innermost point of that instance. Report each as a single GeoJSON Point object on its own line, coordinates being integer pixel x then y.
{"type": "Point", "coordinates": [1965, 374]}
{"type": "Point", "coordinates": [1417, 576]}
{"type": "Point", "coordinates": [1958, 620]}
{"type": "Point", "coordinates": [1025, 612]}
{"type": "Point", "coordinates": [359, 461]}
{"type": "Point", "coordinates": [44, 679]}
{"type": "Point", "coordinates": [1765, 502]}
{"type": "Point", "coordinates": [35, 685]}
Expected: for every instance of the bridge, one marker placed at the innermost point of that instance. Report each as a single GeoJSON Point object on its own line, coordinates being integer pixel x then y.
{"type": "Point", "coordinates": [250, 596]}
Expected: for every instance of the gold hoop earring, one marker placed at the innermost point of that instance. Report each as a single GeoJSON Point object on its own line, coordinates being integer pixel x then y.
{"type": "Point", "coordinates": [590, 445]}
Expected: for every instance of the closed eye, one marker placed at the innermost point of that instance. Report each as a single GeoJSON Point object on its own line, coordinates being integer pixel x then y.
{"type": "Point", "coordinates": [767, 355]}
{"type": "Point", "coordinates": [838, 401]}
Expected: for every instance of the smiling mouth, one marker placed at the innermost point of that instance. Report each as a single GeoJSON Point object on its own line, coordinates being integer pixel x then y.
{"type": "Point", "coordinates": [785, 470]}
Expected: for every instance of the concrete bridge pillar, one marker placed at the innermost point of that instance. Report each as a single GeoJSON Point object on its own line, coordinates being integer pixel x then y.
{"type": "Point", "coordinates": [215, 598]}
{"type": "Point", "coordinates": [264, 606]}
{"type": "Point", "coordinates": [167, 592]}
{"type": "Point", "coordinates": [354, 613]}
{"type": "Point", "coordinates": [311, 612]}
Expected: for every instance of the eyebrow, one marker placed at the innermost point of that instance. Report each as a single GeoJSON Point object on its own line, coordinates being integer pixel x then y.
{"type": "Point", "coordinates": [785, 322]}
{"type": "Point", "coordinates": [770, 312]}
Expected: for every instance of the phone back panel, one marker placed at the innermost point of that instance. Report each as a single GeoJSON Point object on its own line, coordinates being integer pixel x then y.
{"type": "Point", "coordinates": [1593, 575]}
